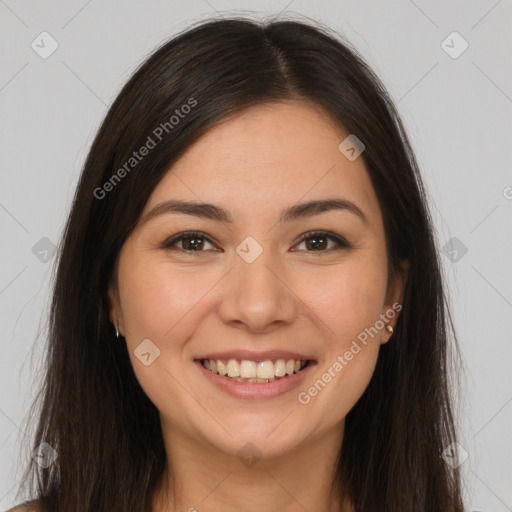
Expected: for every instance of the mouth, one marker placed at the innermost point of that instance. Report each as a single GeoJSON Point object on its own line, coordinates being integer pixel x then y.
{"type": "Point", "coordinates": [255, 372]}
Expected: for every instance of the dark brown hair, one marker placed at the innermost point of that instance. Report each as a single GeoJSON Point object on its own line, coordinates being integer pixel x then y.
{"type": "Point", "coordinates": [91, 408]}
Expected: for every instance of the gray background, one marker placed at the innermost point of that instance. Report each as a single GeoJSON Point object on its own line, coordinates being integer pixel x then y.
{"type": "Point", "coordinates": [457, 112]}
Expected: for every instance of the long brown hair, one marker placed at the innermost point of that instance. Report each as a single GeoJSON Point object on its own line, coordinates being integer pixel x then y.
{"type": "Point", "coordinates": [91, 408]}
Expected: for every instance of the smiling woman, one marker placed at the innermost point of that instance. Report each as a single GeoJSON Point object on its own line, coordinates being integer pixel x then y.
{"type": "Point", "coordinates": [253, 318]}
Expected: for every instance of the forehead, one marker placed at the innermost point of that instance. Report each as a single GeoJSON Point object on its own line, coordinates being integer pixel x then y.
{"type": "Point", "coordinates": [266, 158]}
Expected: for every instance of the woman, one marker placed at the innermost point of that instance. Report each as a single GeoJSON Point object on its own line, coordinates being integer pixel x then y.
{"type": "Point", "coordinates": [248, 311]}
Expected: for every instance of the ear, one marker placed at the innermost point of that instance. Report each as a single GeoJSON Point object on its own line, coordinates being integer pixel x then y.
{"type": "Point", "coordinates": [114, 306]}
{"type": "Point", "coordinates": [394, 297]}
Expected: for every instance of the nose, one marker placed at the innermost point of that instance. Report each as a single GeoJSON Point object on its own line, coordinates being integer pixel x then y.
{"type": "Point", "coordinates": [257, 296]}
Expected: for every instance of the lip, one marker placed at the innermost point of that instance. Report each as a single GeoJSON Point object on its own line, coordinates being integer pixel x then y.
{"type": "Point", "coordinates": [253, 390]}
{"type": "Point", "coordinates": [255, 356]}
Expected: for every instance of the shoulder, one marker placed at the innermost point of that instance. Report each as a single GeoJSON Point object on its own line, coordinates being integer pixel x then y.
{"type": "Point", "coordinates": [28, 506]}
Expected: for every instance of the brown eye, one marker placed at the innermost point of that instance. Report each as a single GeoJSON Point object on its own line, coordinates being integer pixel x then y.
{"type": "Point", "coordinates": [318, 241]}
{"type": "Point", "coordinates": [187, 242]}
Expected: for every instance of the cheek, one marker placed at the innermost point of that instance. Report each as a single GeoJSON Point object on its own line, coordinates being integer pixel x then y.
{"type": "Point", "coordinates": [155, 298]}
{"type": "Point", "coordinates": [349, 306]}
{"type": "Point", "coordinates": [349, 299]}
{"type": "Point", "coordinates": [159, 304]}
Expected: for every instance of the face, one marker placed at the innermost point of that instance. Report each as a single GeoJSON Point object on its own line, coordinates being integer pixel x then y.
{"type": "Point", "coordinates": [256, 285]}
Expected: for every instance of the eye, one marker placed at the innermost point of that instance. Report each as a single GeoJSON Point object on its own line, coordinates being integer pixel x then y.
{"type": "Point", "coordinates": [192, 241]}
{"type": "Point", "coordinates": [319, 241]}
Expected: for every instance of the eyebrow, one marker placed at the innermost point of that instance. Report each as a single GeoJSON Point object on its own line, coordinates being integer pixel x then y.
{"type": "Point", "coordinates": [216, 213]}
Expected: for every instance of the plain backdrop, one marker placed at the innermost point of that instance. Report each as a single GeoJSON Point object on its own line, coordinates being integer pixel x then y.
{"type": "Point", "coordinates": [456, 106]}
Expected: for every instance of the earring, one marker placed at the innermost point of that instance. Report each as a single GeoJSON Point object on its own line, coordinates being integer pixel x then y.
{"type": "Point", "coordinates": [389, 328]}
{"type": "Point", "coordinates": [117, 331]}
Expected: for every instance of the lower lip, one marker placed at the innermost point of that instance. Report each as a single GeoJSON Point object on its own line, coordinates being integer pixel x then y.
{"type": "Point", "coordinates": [254, 390]}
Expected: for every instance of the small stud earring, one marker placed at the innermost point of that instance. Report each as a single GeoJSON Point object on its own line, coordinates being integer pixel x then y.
{"type": "Point", "coordinates": [117, 331]}
{"type": "Point", "coordinates": [389, 328]}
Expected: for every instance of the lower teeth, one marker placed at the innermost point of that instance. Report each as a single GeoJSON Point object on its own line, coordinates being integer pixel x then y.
{"type": "Point", "coordinates": [252, 381]}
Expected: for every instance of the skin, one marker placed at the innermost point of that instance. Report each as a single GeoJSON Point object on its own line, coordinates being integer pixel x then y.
{"type": "Point", "coordinates": [292, 297]}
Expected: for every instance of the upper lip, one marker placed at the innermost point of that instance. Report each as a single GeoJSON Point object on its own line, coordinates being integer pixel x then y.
{"type": "Point", "coordinates": [256, 356]}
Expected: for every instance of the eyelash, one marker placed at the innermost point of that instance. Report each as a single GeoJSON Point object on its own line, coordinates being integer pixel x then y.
{"type": "Point", "coordinates": [341, 242]}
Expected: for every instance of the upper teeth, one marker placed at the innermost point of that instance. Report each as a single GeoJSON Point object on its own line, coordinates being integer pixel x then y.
{"type": "Point", "coordinates": [250, 369]}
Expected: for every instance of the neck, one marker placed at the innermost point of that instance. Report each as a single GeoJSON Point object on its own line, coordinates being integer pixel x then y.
{"type": "Point", "coordinates": [201, 478]}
